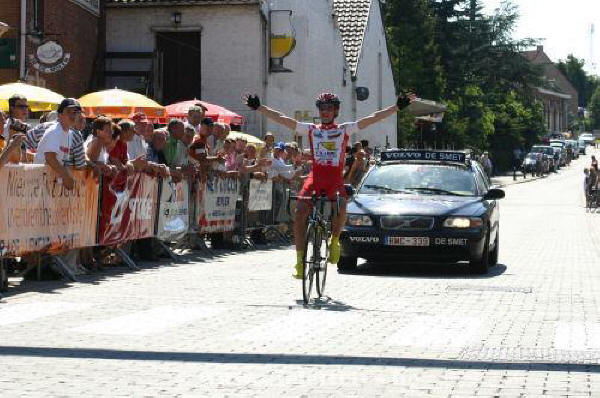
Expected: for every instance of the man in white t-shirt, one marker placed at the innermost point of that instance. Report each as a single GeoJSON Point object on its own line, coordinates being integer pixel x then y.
{"type": "Point", "coordinates": [53, 149]}
{"type": "Point", "coordinates": [138, 147]}
{"type": "Point", "coordinates": [327, 142]}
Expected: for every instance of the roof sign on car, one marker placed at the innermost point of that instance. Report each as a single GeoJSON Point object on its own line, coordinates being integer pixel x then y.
{"type": "Point", "coordinates": [420, 154]}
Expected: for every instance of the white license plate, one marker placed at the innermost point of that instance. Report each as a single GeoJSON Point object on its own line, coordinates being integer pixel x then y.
{"type": "Point", "coordinates": [407, 241]}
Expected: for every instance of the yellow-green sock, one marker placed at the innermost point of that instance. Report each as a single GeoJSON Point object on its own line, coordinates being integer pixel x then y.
{"type": "Point", "coordinates": [335, 240]}
{"type": "Point", "coordinates": [299, 256]}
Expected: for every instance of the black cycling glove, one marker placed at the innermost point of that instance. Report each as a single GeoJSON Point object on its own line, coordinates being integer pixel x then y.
{"type": "Point", "coordinates": [253, 101]}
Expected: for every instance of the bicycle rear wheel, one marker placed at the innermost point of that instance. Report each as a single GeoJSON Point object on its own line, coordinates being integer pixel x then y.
{"type": "Point", "coordinates": [308, 272]}
{"type": "Point", "coordinates": [323, 257]}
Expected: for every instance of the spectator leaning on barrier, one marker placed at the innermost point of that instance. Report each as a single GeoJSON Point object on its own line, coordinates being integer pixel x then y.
{"type": "Point", "coordinates": [18, 110]}
{"type": "Point", "coordinates": [10, 149]}
{"type": "Point", "coordinates": [76, 156]}
{"type": "Point", "coordinates": [35, 134]}
{"type": "Point", "coordinates": [182, 159]}
{"type": "Point", "coordinates": [195, 116]}
{"type": "Point", "coordinates": [137, 146]}
{"type": "Point", "coordinates": [15, 123]}
{"type": "Point", "coordinates": [176, 131]}
{"type": "Point", "coordinates": [220, 131]}
{"type": "Point", "coordinates": [53, 148]}
{"type": "Point", "coordinates": [155, 155]}
{"type": "Point", "coordinates": [117, 155]}
{"type": "Point", "coordinates": [282, 174]}
{"type": "Point", "coordinates": [267, 150]}
{"type": "Point", "coordinates": [99, 144]}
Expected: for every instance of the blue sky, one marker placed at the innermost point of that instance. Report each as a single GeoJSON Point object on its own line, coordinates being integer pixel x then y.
{"type": "Point", "coordinates": [564, 26]}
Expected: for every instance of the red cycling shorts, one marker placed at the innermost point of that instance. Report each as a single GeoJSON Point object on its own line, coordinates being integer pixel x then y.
{"type": "Point", "coordinates": [328, 185]}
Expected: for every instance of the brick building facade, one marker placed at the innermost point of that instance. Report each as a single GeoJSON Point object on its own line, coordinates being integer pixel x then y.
{"type": "Point", "coordinates": [75, 25]}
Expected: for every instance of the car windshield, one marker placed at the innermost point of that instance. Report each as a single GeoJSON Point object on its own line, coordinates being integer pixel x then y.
{"type": "Point", "coordinates": [541, 149]}
{"type": "Point", "coordinates": [531, 156]}
{"type": "Point", "coordinates": [422, 179]}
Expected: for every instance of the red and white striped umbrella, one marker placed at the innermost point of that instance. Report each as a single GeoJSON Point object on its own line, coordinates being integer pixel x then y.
{"type": "Point", "coordinates": [218, 113]}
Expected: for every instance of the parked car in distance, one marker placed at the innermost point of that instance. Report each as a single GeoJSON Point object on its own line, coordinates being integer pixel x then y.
{"type": "Point", "coordinates": [582, 145]}
{"type": "Point", "coordinates": [557, 136]}
{"type": "Point", "coordinates": [575, 145]}
{"type": "Point", "coordinates": [533, 164]}
{"type": "Point", "coordinates": [553, 157]}
{"type": "Point", "coordinates": [563, 154]}
{"type": "Point", "coordinates": [588, 138]}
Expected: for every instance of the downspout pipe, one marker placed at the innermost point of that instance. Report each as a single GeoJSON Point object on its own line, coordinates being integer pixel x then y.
{"type": "Point", "coordinates": [23, 37]}
{"type": "Point", "coordinates": [354, 102]}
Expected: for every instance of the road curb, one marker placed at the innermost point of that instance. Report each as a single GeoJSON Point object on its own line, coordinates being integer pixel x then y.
{"type": "Point", "coordinates": [524, 181]}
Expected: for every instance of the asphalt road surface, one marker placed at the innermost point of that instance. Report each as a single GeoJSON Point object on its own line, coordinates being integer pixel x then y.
{"type": "Point", "coordinates": [233, 325]}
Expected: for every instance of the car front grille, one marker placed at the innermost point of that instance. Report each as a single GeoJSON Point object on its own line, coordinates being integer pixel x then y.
{"type": "Point", "coordinates": [407, 223]}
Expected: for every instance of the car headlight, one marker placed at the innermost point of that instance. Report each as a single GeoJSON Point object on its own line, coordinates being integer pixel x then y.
{"type": "Point", "coordinates": [463, 222]}
{"type": "Point", "coordinates": [359, 220]}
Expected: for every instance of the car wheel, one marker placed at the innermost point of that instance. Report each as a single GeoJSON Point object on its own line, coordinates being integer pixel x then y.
{"type": "Point", "coordinates": [347, 264]}
{"type": "Point", "coordinates": [494, 254]}
{"type": "Point", "coordinates": [481, 266]}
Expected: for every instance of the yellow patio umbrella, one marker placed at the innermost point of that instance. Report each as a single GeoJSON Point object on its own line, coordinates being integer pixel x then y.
{"type": "Point", "coordinates": [38, 98]}
{"type": "Point", "coordinates": [116, 103]}
{"type": "Point", "coordinates": [252, 140]}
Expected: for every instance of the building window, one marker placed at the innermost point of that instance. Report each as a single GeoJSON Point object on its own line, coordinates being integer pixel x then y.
{"type": "Point", "coordinates": [8, 54]}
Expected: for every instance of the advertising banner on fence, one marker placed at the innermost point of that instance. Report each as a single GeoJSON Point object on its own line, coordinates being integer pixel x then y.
{"type": "Point", "coordinates": [173, 213]}
{"type": "Point", "coordinates": [260, 195]}
{"type": "Point", "coordinates": [38, 214]}
{"type": "Point", "coordinates": [215, 204]}
{"type": "Point", "coordinates": [128, 208]}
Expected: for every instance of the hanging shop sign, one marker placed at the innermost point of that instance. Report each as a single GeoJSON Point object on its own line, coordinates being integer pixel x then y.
{"type": "Point", "coordinates": [50, 58]}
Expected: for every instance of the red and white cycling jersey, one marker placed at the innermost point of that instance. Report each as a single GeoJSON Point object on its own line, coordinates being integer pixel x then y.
{"type": "Point", "coordinates": [328, 147]}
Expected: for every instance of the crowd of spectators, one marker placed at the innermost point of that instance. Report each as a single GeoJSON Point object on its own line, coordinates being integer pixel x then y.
{"type": "Point", "coordinates": [64, 140]}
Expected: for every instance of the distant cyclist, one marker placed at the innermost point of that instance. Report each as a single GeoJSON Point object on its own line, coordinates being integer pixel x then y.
{"type": "Point", "coordinates": [328, 142]}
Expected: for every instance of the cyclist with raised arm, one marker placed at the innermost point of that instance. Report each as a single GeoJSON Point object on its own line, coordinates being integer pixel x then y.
{"type": "Point", "coordinates": [327, 142]}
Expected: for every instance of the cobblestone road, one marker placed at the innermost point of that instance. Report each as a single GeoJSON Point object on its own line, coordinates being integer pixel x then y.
{"type": "Point", "coordinates": [232, 325]}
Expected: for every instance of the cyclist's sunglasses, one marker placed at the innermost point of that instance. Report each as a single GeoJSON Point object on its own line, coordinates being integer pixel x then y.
{"type": "Point", "coordinates": [327, 107]}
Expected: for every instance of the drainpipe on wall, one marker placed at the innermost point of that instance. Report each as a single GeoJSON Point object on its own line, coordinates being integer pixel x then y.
{"type": "Point", "coordinates": [23, 37]}
{"type": "Point", "coordinates": [354, 103]}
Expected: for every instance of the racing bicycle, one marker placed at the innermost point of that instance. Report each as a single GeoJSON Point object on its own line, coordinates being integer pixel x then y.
{"type": "Point", "coordinates": [316, 246]}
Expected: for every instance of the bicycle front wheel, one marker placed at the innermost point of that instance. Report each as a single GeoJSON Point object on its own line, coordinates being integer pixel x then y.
{"type": "Point", "coordinates": [308, 273]}
{"type": "Point", "coordinates": [323, 257]}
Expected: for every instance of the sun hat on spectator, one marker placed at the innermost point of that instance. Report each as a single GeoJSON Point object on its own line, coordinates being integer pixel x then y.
{"type": "Point", "coordinates": [140, 117]}
{"type": "Point", "coordinates": [280, 145]}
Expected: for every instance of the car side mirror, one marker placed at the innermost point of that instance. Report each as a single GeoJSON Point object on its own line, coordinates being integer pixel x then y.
{"type": "Point", "coordinates": [494, 194]}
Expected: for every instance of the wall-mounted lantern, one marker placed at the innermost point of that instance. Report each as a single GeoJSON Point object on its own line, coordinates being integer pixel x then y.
{"type": "Point", "coordinates": [176, 18]}
{"type": "Point", "coordinates": [362, 93]}
{"type": "Point", "coordinates": [282, 38]}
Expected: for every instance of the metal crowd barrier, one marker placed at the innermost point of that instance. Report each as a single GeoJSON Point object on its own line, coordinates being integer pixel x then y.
{"type": "Point", "coordinates": [249, 228]}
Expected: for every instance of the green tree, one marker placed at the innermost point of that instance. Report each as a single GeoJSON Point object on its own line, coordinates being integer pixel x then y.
{"type": "Point", "coordinates": [410, 28]}
{"type": "Point", "coordinates": [594, 108]}
{"type": "Point", "coordinates": [469, 122]}
{"type": "Point", "coordinates": [585, 84]}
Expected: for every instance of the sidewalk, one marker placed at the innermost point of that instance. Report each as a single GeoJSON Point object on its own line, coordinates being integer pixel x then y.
{"type": "Point", "coordinates": [507, 179]}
